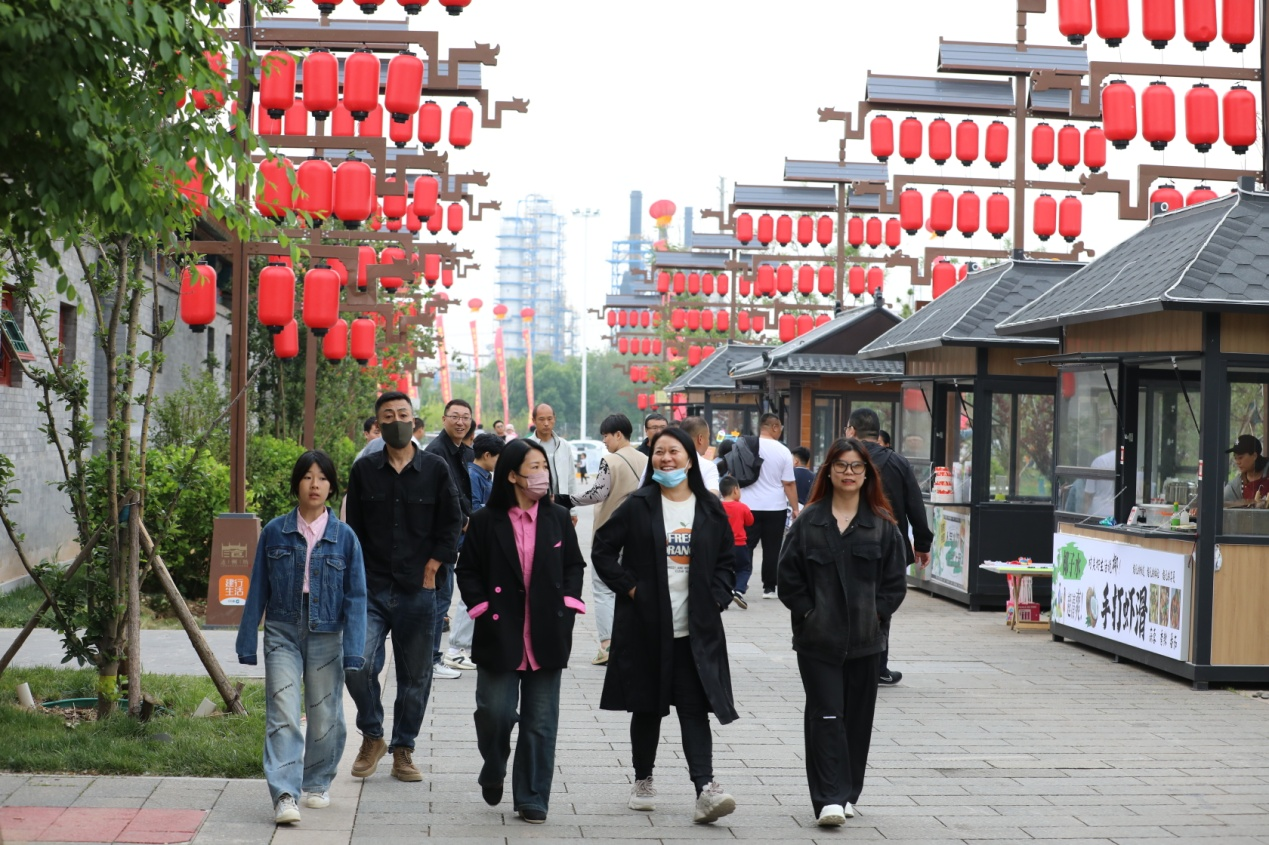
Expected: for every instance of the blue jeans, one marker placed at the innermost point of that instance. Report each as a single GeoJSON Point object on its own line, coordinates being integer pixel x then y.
{"type": "Point", "coordinates": [744, 568]}
{"type": "Point", "coordinates": [296, 658]}
{"type": "Point", "coordinates": [444, 597]}
{"type": "Point", "coordinates": [409, 617]}
{"type": "Point", "coordinates": [539, 699]}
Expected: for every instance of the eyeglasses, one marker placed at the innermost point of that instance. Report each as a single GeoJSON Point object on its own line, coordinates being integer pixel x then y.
{"type": "Point", "coordinates": [453, 418]}
{"type": "Point", "coordinates": [852, 468]}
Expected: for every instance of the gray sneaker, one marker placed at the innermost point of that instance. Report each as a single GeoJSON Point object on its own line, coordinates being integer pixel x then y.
{"type": "Point", "coordinates": [712, 804]}
{"type": "Point", "coordinates": [286, 812]}
{"type": "Point", "coordinates": [643, 795]}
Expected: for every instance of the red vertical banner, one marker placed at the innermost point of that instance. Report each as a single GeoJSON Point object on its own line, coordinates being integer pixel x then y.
{"type": "Point", "coordinates": [475, 362]}
{"type": "Point", "coordinates": [528, 372]}
{"type": "Point", "coordinates": [500, 355]}
{"type": "Point", "coordinates": [441, 354]}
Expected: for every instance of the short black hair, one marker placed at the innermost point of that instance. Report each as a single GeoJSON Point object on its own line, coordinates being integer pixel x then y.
{"type": "Point", "coordinates": [884, 437]}
{"type": "Point", "coordinates": [802, 453]}
{"type": "Point", "coordinates": [419, 424]}
{"type": "Point", "coordinates": [462, 403]}
{"type": "Point", "coordinates": [653, 417]}
{"type": "Point", "coordinates": [616, 424]}
{"type": "Point", "coordinates": [694, 426]}
{"type": "Point", "coordinates": [728, 485]}
{"type": "Point", "coordinates": [324, 464]}
{"type": "Point", "coordinates": [391, 396]}
{"type": "Point", "coordinates": [768, 418]}
{"type": "Point", "coordinates": [865, 422]}
{"type": "Point", "coordinates": [370, 423]}
{"type": "Point", "coordinates": [488, 444]}
{"type": "Point", "coordinates": [498, 421]}
{"type": "Point", "coordinates": [725, 448]}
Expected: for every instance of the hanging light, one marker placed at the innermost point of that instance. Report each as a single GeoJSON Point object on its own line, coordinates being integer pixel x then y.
{"type": "Point", "coordinates": [393, 204]}
{"type": "Point", "coordinates": [744, 228]}
{"type": "Point", "coordinates": [266, 125]}
{"type": "Point", "coordinates": [1158, 114]}
{"type": "Point", "coordinates": [461, 121]}
{"type": "Point", "coordinates": [192, 188]}
{"type": "Point", "coordinates": [911, 210]}
{"type": "Point", "coordinates": [855, 231]}
{"type": "Point", "coordinates": [1200, 22]}
{"type": "Point", "coordinates": [680, 282]}
{"type": "Point", "coordinates": [766, 280]}
{"type": "Point", "coordinates": [286, 343]}
{"type": "Point", "coordinates": [1042, 145]}
{"type": "Point", "coordinates": [427, 192]}
{"type": "Point", "coordinates": [335, 343]}
{"type": "Point", "coordinates": [894, 233]}
{"type": "Point", "coordinates": [721, 323]}
{"type": "Point", "coordinates": [707, 284]}
{"type": "Point", "coordinates": [742, 321]}
{"type": "Point", "coordinates": [342, 124]}
{"type": "Point", "coordinates": [766, 229]}
{"type": "Point", "coordinates": [663, 283]}
{"type": "Point", "coordinates": [693, 355]}
{"type": "Point", "coordinates": [1068, 147]}
{"type": "Point", "coordinates": [372, 126]}
{"type": "Point", "coordinates": [1202, 193]}
{"type": "Point", "coordinates": [436, 222]}
{"type": "Point", "coordinates": [827, 281]}
{"type": "Point", "coordinates": [788, 326]}
{"type": "Point", "coordinates": [1239, 107]}
{"type": "Point", "coordinates": [872, 232]}
{"type": "Point", "coordinates": [321, 299]}
{"type": "Point", "coordinates": [876, 278]}
{"type": "Point", "coordinates": [678, 319]}
{"type": "Point", "coordinates": [1075, 19]}
{"type": "Point", "coordinates": [430, 118]}
{"type": "Point", "coordinates": [1158, 22]}
{"type": "Point", "coordinates": [454, 218]}
{"type": "Point", "coordinates": [1112, 21]}
{"type": "Point", "coordinates": [361, 83]}
{"type": "Point", "coordinates": [996, 148]}
{"type": "Point", "coordinates": [1238, 22]}
{"type": "Point", "coordinates": [391, 255]}
{"type": "Point", "coordinates": [743, 286]}
{"type": "Point", "coordinates": [455, 7]}
{"type": "Point", "coordinates": [693, 319]}
{"type": "Point", "coordinates": [693, 284]}
{"type": "Point", "coordinates": [1044, 221]}
{"type": "Point", "coordinates": [363, 340]}
{"type": "Point", "coordinates": [856, 279]}
{"type": "Point", "coordinates": [966, 141]}
{"type": "Point", "coordinates": [967, 213]}
{"type": "Point", "coordinates": [277, 197]}
{"type": "Point", "coordinates": [940, 140]}
{"type": "Point", "coordinates": [722, 284]}
{"type": "Point", "coordinates": [1094, 149]}
{"type": "Point", "coordinates": [1119, 111]}
{"type": "Point", "coordinates": [354, 193]}
{"type": "Point", "coordinates": [210, 99]}
{"type": "Point", "coordinates": [432, 269]}
{"type": "Point", "coordinates": [295, 121]}
{"type": "Point", "coordinates": [943, 277]}
{"type": "Point", "coordinates": [275, 302]}
{"type": "Point", "coordinates": [198, 296]}
{"type": "Point", "coordinates": [316, 180]}
{"type": "Point", "coordinates": [612, 317]}
{"type": "Point", "coordinates": [758, 322]}
{"type": "Point", "coordinates": [368, 7]}
{"type": "Point", "coordinates": [404, 86]}
{"type": "Point", "coordinates": [1202, 117]}
{"type": "Point", "coordinates": [881, 137]}
{"type": "Point", "coordinates": [806, 279]}
{"type": "Point", "coordinates": [784, 279]}
{"type": "Point", "coordinates": [942, 207]}
{"type": "Point", "coordinates": [806, 230]}
{"type": "Point", "coordinates": [1168, 196]}
{"type": "Point", "coordinates": [320, 73]}
{"type": "Point", "coordinates": [277, 82]}
{"type": "Point", "coordinates": [910, 139]}
{"type": "Point", "coordinates": [998, 214]}
{"type": "Point", "coordinates": [412, 7]}
{"type": "Point", "coordinates": [366, 257]}
{"type": "Point", "coordinates": [784, 230]}
{"type": "Point", "coordinates": [824, 230]}
{"type": "Point", "coordinates": [1070, 218]}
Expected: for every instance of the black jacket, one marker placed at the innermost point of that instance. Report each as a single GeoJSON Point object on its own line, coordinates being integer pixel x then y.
{"type": "Point", "coordinates": [838, 587]}
{"type": "Point", "coordinates": [629, 551]}
{"type": "Point", "coordinates": [904, 494]}
{"type": "Point", "coordinates": [489, 571]}
{"type": "Point", "coordinates": [456, 457]}
{"type": "Point", "coordinates": [403, 519]}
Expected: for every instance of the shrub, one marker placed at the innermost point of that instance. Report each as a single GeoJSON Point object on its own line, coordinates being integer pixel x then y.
{"type": "Point", "coordinates": [269, 464]}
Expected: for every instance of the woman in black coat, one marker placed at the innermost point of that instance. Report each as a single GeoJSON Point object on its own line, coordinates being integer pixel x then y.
{"type": "Point", "coordinates": [668, 553]}
{"type": "Point", "coordinates": [841, 575]}
{"type": "Point", "coordinates": [520, 573]}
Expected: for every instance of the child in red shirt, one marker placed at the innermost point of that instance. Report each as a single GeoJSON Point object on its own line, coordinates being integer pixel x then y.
{"type": "Point", "coordinates": [740, 517]}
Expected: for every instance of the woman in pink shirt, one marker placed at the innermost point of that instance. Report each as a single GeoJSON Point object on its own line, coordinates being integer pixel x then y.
{"type": "Point", "coordinates": [520, 573]}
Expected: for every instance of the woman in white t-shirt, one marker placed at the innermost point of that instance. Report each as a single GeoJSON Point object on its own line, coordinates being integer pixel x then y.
{"type": "Point", "coordinates": [668, 554]}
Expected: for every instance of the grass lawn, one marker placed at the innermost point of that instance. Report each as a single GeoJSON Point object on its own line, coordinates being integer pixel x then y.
{"type": "Point", "coordinates": [17, 606]}
{"type": "Point", "coordinates": [171, 743]}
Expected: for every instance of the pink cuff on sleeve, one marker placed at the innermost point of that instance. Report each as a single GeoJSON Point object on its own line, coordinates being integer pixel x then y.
{"type": "Point", "coordinates": [575, 604]}
{"type": "Point", "coordinates": [473, 612]}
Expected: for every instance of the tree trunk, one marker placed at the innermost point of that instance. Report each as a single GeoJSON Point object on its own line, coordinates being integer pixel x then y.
{"type": "Point", "coordinates": [134, 607]}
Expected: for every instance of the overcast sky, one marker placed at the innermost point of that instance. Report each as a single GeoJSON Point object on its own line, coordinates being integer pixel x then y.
{"type": "Point", "coordinates": [667, 96]}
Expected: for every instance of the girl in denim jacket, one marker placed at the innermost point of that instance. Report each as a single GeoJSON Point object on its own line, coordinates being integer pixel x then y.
{"type": "Point", "coordinates": [310, 583]}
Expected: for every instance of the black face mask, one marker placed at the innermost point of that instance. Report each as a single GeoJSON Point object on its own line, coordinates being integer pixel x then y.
{"type": "Point", "coordinates": [397, 434]}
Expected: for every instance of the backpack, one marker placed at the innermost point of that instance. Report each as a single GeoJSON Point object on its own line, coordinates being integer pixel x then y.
{"type": "Point", "coordinates": [745, 461]}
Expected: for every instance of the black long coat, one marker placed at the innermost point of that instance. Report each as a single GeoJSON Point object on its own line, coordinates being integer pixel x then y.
{"type": "Point", "coordinates": [489, 571]}
{"type": "Point", "coordinates": [629, 551]}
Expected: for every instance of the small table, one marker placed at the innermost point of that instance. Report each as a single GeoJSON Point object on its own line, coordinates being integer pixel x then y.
{"type": "Point", "coordinates": [1014, 573]}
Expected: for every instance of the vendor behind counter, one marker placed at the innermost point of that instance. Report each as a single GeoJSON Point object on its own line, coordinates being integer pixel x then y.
{"type": "Point", "coordinates": [1250, 487]}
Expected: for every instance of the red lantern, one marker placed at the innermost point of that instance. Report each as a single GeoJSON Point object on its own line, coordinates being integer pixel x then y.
{"type": "Point", "coordinates": [275, 305]}
{"type": "Point", "coordinates": [354, 193]}
{"type": "Point", "coordinates": [623, 318]}
{"type": "Point", "coordinates": [784, 230]}
{"type": "Point", "coordinates": [872, 232]}
{"type": "Point", "coordinates": [641, 401]}
{"type": "Point", "coordinates": [365, 258]}
{"type": "Point", "coordinates": [454, 218]}
{"type": "Point", "coordinates": [722, 284]}
{"type": "Point", "coordinates": [821, 320]}
{"type": "Point", "coordinates": [805, 323]}
{"type": "Point", "coordinates": [967, 213]}
{"type": "Point", "coordinates": [707, 324]}
{"type": "Point", "coordinates": [1202, 117]}
{"type": "Point", "coordinates": [856, 280]}
{"type": "Point", "coordinates": [1200, 22]}
{"type": "Point", "coordinates": [286, 343]}
{"type": "Point", "coordinates": [806, 279]}
{"type": "Point", "coordinates": [743, 286]}
{"type": "Point", "coordinates": [827, 280]}
{"type": "Point", "coordinates": [663, 283]}
{"type": "Point", "coordinates": [881, 137]}
{"type": "Point", "coordinates": [766, 281]}
{"type": "Point", "coordinates": [1070, 218]}
{"type": "Point", "coordinates": [914, 401]}
{"type": "Point", "coordinates": [855, 231]}
{"type": "Point", "coordinates": [707, 284]}
{"type": "Point", "coordinates": [744, 228]}
{"type": "Point", "coordinates": [1158, 115]}
{"type": "Point", "coordinates": [1238, 23]}
{"type": "Point", "coordinates": [1119, 110]}
{"type": "Point", "coordinates": [876, 277]}
{"type": "Point", "coordinates": [1202, 193]}
{"type": "Point", "coordinates": [320, 75]}
{"type": "Point", "coordinates": [680, 282]}
{"type": "Point", "coordinates": [824, 230]}
{"type": "Point", "coordinates": [363, 340]}
{"type": "Point", "coordinates": [295, 121]}
{"type": "Point", "coordinates": [277, 197]}
{"type": "Point", "coordinates": [192, 188]}
{"type": "Point", "coordinates": [1075, 19]}
{"type": "Point", "coordinates": [401, 133]}
{"type": "Point", "coordinates": [266, 125]}
{"type": "Point", "coordinates": [1068, 147]}
{"type": "Point", "coordinates": [784, 279]}
{"type": "Point", "coordinates": [1068, 385]}
{"type": "Point", "coordinates": [1112, 21]}
{"type": "Point", "coordinates": [911, 210]}
{"type": "Point", "coordinates": [372, 126]}
{"type": "Point", "coordinates": [661, 208]}
{"type": "Point", "coordinates": [436, 222]}
{"type": "Point", "coordinates": [758, 323]}
{"type": "Point", "coordinates": [427, 191]}
{"type": "Point", "coordinates": [962, 272]}
{"type": "Point", "coordinates": [341, 124]}
{"type": "Point", "coordinates": [391, 255]}
{"type": "Point", "coordinates": [996, 147]}
{"type": "Point", "coordinates": [1168, 196]}
{"type": "Point", "coordinates": [910, 139]}
{"type": "Point", "coordinates": [455, 7]}
{"type": "Point", "coordinates": [198, 296]}
{"type": "Point", "coordinates": [894, 233]}
{"type": "Point", "coordinates": [1239, 106]}
{"type": "Point", "coordinates": [368, 7]}
{"type": "Point", "coordinates": [335, 343]}
{"type": "Point", "coordinates": [1045, 216]}
{"type": "Point", "coordinates": [1042, 145]}
{"type": "Point", "coordinates": [431, 267]}
{"type": "Point", "coordinates": [944, 277]}
{"type": "Point", "coordinates": [656, 348]}
{"type": "Point", "coordinates": [316, 179]}
{"type": "Point", "coordinates": [678, 319]}
{"type": "Point", "coordinates": [211, 98]}
{"type": "Point", "coordinates": [998, 214]}
{"type": "Point", "coordinates": [806, 230]}
{"type": "Point", "coordinates": [1158, 22]}
{"type": "Point", "coordinates": [940, 140]}
{"type": "Point", "coordinates": [787, 325]}
{"type": "Point", "coordinates": [393, 204]}
{"type": "Point", "coordinates": [623, 345]}
{"type": "Point", "coordinates": [413, 224]}
{"type": "Point", "coordinates": [721, 322]}
{"type": "Point", "coordinates": [461, 121]}
{"type": "Point", "coordinates": [693, 283]}
{"type": "Point", "coordinates": [636, 375]}
{"type": "Point", "coordinates": [942, 205]}
{"type": "Point", "coordinates": [966, 141]}
{"type": "Point", "coordinates": [693, 355]}
{"type": "Point", "coordinates": [430, 117]}
{"type": "Point", "coordinates": [742, 321]}
{"type": "Point", "coordinates": [1094, 149]}
{"type": "Point", "coordinates": [277, 82]}
{"type": "Point", "coordinates": [766, 229]}
{"type": "Point", "coordinates": [361, 83]}
{"type": "Point", "coordinates": [612, 318]}
{"type": "Point", "coordinates": [321, 299]}
{"type": "Point", "coordinates": [404, 86]}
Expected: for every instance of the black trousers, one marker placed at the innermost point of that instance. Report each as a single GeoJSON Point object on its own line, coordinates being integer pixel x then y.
{"type": "Point", "coordinates": [688, 698]}
{"type": "Point", "coordinates": [884, 662]}
{"type": "Point", "coordinates": [840, 702]}
{"type": "Point", "coordinates": [767, 530]}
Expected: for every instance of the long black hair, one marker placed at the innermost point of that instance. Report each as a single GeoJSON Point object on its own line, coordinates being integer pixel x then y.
{"type": "Point", "coordinates": [503, 493]}
{"type": "Point", "coordinates": [704, 498]}
{"type": "Point", "coordinates": [872, 491]}
{"type": "Point", "coordinates": [324, 465]}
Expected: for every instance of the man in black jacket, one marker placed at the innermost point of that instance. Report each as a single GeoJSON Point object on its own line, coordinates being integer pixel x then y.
{"type": "Point", "coordinates": [653, 424]}
{"type": "Point", "coordinates": [904, 494]}
{"type": "Point", "coordinates": [450, 446]}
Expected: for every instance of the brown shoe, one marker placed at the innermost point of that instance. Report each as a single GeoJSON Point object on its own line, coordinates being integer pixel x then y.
{"type": "Point", "coordinates": [372, 750]}
{"type": "Point", "coordinates": [403, 767]}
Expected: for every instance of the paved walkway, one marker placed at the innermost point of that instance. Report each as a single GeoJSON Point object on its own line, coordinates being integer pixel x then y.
{"type": "Point", "coordinates": [992, 735]}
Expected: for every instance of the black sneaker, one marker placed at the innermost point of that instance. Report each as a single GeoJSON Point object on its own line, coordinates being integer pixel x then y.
{"type": "Point", "coordinates": [533, 815]}
{"type": "Point", "coordinates": [492, 794]}
{"type": "Point", "coordinates": [739, 599]}
{"type": "Point", "coordinates": [890, 677]}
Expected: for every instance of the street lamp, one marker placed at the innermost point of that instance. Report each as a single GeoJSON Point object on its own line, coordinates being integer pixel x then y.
{"type": "Point", "coordinates": [586, 214]}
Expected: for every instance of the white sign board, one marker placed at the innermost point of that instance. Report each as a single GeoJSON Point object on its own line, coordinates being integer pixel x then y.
{"type": "Point", "coordinates": [949, 553]}
{"type": "Point", "coordinates": [1122, 592]}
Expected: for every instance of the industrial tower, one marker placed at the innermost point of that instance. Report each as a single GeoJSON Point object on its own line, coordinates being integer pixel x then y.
{"type": "Point", "coordinates": [531, 275]}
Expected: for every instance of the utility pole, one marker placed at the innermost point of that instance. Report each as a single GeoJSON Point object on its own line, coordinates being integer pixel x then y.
{"type": "Point", "coordinates": [586, 214]}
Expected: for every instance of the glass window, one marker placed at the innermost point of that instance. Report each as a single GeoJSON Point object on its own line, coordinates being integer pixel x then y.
{"type": "Point", "coordinates": [960, 439]}
{"type": "Point", "coordinates": [1168, 451]}
{"type": "Point", "coordinates": [728, 423]}
{"type": "Point", "coordinates": [1021, 446]}
{"type": "Point", "coordinates": [1245, 478]}
{"type": "Point", "coordinates": [915, 428]}
{"type": "Point", "coordinates": [826, 425]}
{"type": "Point", "coordinates": [1087, 442]}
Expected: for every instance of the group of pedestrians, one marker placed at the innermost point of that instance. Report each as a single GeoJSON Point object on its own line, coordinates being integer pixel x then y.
{"type": "Point", "coordinates": [670, 553]}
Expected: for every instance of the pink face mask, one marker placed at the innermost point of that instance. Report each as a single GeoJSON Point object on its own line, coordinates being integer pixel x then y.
{"type": "Point", "coordinates": [537, 485]}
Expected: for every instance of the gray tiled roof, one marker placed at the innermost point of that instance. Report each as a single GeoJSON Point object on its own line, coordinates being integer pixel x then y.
{"type": "Point", "coordinates": [827, 365]}
{"type": "Point", "coordinates": [777, 359]}
{"type": "Point", "coordinates": [1212, 257]}
{"type": "Point", "coordinates": [967, 314]}
{"type": "Point", "coordinates": [712, 373]}
{"type": "Point", "coordinates": [968, 57]}
{"type": "Point", "coordinates": [785, 197]}
{"type": "Point", "coordinates": [689, 260]}
{"type": "Point", "coordinates": [832, 171]}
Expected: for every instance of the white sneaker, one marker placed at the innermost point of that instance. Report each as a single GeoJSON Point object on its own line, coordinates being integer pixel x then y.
{"type": "Point", "coordinates": [643, 795]}
{"type": "Point", "coordinates": [440, 670]}
{"type": "Point", "coordinates": [833, 815]}
{"type": "Point", "coordinates": [317, 800]}
{"type": "Point", "coordinates": [712, 804]}
{"type": "Point", "coordinates": [768, 594]}
{"type": "Point", "coordinates": [848, 810]}
{"type": "Point", "coordinates": [286, 812]}
{"type": "Point", "coordinates": [458, 661]}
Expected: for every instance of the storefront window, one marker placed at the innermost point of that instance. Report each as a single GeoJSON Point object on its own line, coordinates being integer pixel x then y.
{"type": "Point", "coordinates": [826, 426]}
{"type": "Point", "coordinates": [1245, 478]}
{"type": "Point", "coordinates": [1168, 445]}
{"type": "Point", "coordinates": [1021, 446]}
{"type": "Point", "coordinates": [727, 423]}
{"type": "Point", "coordinates": [1087, 438]}
{"type": "Point", "coordinates": [915, 426]}
{"type": "Point", "coordinates": [960, 439]}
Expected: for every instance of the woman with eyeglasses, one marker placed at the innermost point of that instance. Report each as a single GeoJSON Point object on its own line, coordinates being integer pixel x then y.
{"type": "Point", "coordinates": [841, 572]}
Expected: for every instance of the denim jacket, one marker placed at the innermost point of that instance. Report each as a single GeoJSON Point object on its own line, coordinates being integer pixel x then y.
{"type": "Point", "coordinates": [337, 586]}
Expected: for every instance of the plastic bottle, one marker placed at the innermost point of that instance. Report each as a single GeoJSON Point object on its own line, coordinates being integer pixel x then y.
{"type": "Point", "coordinates": [1176, 515]}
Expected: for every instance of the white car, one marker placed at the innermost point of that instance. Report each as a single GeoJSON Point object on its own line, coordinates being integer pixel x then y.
{"type": "Point", "coordinates": [593, 450]}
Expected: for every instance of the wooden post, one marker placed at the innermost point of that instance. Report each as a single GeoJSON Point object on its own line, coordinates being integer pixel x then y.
{"type": "Point", "coordinates": [205, 654]}
{"type": "Point", "coordinates": [133, 649]}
